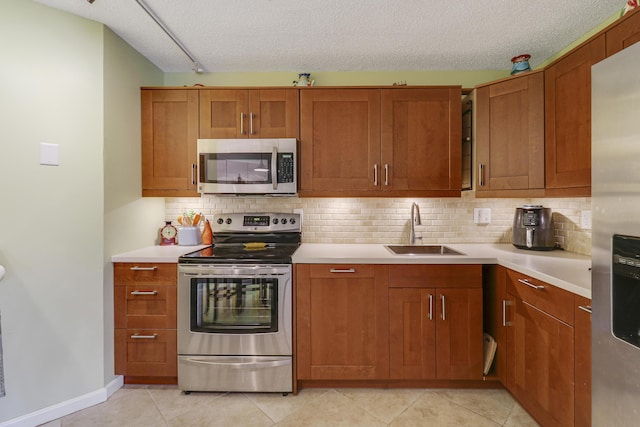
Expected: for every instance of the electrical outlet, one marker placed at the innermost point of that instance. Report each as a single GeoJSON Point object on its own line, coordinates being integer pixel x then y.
{"type": "Point", "coordinates": [585, 220]}
{"type": "Point", "coordinates": [299, 211]}
{"type": "Point", "coordinates": [482, 216]}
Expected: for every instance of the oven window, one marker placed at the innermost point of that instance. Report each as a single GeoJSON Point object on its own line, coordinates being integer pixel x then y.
{"type": "Point", "coordinates": [235, 305]}
{"type": "Point", "coordinates": [236, 168]}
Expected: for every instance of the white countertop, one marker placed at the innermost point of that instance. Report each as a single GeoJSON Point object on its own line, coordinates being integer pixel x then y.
{"type": "Point", "coordinates": [565, 270]}
{"type": "Point", "coordinates": [156, 254]}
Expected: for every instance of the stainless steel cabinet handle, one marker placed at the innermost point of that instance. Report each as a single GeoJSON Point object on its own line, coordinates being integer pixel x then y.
{"type": "Point", "coordinates": [444, 313]}
{"type": "Point", "coordinates": [193, 173]}
{"type": "Point", "coordinates": [481, 175]}
{"type": "Point", "coordinates": [386, 174]}
{"type": "Point", "coordinates": [586, 308]}
{"type": "Point", "coordinates": [144, 293]}
{"type": "Point", "coordinates": [241, 123]}
{"type": "Point", "coordinates": [531, 285]}
{"type": "Point", "coordinates": [136, 268]}
{"type": "Point", "coordinates": [430, 307]}
{"type": "Point", "coordinates": [144, 337]}
{"type": "Point", "coordinates": [251, 115]}
{"type": "Point", "coordinates": [345, 270]}
{"type": "Point", "coordinates": [505, 303]}
{"type": "Point", "coordinates": [375, 174]}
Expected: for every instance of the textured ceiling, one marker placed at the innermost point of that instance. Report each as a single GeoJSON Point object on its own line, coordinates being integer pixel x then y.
{"type": "Point", "coordinates": [340, 35]}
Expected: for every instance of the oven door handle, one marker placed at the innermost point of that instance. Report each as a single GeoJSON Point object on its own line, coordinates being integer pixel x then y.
{"type": "Point", "coordinates": [240, 365]}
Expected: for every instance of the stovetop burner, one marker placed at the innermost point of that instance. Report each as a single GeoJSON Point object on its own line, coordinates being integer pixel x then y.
{"type": "Point", "coordinates": [250, 238]}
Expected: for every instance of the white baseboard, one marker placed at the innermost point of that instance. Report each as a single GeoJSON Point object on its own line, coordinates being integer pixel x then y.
{"type": "Point", "coordinates": [67, 407]}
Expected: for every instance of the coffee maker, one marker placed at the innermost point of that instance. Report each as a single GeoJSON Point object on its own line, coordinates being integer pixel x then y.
{"type": "Point", "coordinates": [533, 228]}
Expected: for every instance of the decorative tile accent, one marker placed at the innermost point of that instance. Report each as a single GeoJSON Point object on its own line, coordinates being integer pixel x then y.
{"type": "Point", "coordinates": [386, 220]}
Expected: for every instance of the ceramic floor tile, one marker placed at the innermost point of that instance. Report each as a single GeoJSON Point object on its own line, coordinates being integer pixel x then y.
{"type": "Point", "coordinates": [278, 407]}
{"type": "Point", "coordinates": [384, 404]}
{"type": "Point", "coordinates": [493, 404]}
{"type": "Point", "coordinates": [331, 409]}
{"type": "Point", "coordinates": [520, 418]}
{"type": "Point", "coordinates": [132, 407]}
{"type": "Point", "coordinates": [172, 402]}
{"type": "Point", "coordinates": [433, 409]}
{"type": "Point", "coordinates": [232, 409]}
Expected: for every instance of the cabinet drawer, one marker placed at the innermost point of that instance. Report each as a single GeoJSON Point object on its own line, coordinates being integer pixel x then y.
{"type": "Point", "coordinates": [440, 276]}
{"type": "Point", "coordinates": [146, 306]}
{"type": "Point", "coordinates": [146, 352]}
{"type": "Point", "coordinates": [548, 298]}
{"type": "Point", "coordinates": [159, 274]}
{"type": "Point", "coordinates": [322, 271]}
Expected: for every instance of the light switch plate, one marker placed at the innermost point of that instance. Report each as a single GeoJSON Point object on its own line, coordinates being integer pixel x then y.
{"type": "Point", "coordinates": [49, 154]}
{"type": "Point", "coordinates": [585, 220]}
{"type": "Point", "coordinates": [482, 216]}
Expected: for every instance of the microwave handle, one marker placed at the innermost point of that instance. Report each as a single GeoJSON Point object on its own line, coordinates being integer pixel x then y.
{"type": "Point", "coordinates": [274, 168]}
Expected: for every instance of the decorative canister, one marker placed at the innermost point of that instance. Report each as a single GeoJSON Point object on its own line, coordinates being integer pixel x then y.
{"type": "Point", "coordinates": [304, 79]}
{"type": "Point", "coordinates": [520, 64]}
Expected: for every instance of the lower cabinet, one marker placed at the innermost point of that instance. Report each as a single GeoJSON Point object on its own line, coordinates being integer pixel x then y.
{"type": "Point", "coordinates": [582, 345]}
{"type": "Point", "coordinates": [388, 322]}
{"type": "Point", "coordinates": [145, 336]}
{"type": "Point", "coordinates": [539, 351]}
{"type": "Point", "coordinates": [435, 322]}
{"type": "Point", "coordinates": [342, 322]}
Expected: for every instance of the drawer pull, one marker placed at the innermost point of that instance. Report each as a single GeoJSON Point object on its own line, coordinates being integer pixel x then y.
{"type": "Point", "coordinates": [505, 303]}
{"type": "Point", "coordinates": [144, 337]}
{"type": "Point", "coordinates": [586, 308]}
{"type": "Point", "coordinates": [136, 268]}
{"type": "Point", "coordinates": [144, 293]}
{"type": "Point", "coordinates": [345, 270]}
{"type": "Point", "coordinates": [531, 285]}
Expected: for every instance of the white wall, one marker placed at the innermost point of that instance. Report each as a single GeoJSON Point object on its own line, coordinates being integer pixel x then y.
{"type": "Point", "coordinates": [64, 80]}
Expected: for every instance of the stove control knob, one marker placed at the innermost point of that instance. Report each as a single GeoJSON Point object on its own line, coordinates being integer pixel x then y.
{"type": "Point", "coordinates": [275, 221]}
{"type": "Point", "coordinates": [220, 221]}
{"type": "Point", "coordinates": [292, 221]}
{"type": "Point", "coordinates": [228, 220]}
{"type": "Point", "coordinates": [284, 220]}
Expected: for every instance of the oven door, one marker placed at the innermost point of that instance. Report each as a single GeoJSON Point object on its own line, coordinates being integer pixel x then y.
{"type": "Point", "coordinates": [234, 310]}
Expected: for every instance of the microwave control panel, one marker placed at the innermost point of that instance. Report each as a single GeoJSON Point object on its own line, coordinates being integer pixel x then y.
{"type": "Point", "coordinates": [286, 167]}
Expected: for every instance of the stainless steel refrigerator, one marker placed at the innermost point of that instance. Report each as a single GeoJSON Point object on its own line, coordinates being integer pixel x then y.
{"type": "Point", "coordinates": [616, 239]}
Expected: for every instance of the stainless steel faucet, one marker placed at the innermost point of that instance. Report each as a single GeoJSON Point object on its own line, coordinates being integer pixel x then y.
{"type": "Point", "coordinates": [415, 220]}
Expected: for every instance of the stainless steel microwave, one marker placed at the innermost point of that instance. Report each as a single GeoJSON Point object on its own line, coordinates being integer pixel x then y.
{"type": "Point", "coordinates": [247, 166]}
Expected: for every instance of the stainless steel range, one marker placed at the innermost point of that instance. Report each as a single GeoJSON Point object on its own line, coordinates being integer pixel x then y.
{"type": "Point", "coordinates": [234, 306]}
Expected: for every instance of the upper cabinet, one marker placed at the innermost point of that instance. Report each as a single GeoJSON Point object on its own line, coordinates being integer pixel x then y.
{"type": "Point", "coordinates": [624, 33]}
{"type": "Point", "coordinates": [380, 142]}
{"type": "Point", "coordinates": [248, 113]}
{"type": "Point", "coordinates": [510, 137]}
{"type": "Point", "coordinates": [568, 120]}
{"type": "Point", "coordinates": [169, 139]}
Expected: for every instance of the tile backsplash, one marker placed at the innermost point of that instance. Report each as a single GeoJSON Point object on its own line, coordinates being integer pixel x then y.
{"type": "Point", "coordinates": [386, 220]}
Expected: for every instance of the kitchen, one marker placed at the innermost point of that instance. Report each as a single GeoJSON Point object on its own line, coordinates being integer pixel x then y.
{"type": "Point", "coordinates": [112, 213]}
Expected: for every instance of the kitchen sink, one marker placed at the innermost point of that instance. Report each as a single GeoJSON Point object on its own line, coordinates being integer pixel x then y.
{"type": "Point", "coordinates": [421, 250]}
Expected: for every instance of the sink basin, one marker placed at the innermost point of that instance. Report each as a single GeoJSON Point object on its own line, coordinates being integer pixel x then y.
{"type": "Point", "coordinates": [421, 250]}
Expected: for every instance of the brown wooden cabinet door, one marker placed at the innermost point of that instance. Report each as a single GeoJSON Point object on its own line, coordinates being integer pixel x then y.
{"type": "Point", "coordinates": [340, 142]}
{"type": "Point", "coordinates": [421, 141]}
{"type": "Point", "coordinates": [146, 353]}
{"type": "Point", "coordinates": [510, 134]}
{"type": "Point", "coordinates": [275, 113]}
{"type": "Point", "coordinates": [248, 113]}
{"type": "Point", "coordinates": [459, 344]}
{"type": "Point", "coordinates": [224, 113]}
{"type": "Point", "coordinates": [169, 139]}
{"type": "Point", "coordinates": [583, 361]}
{"type": "Point", "coordinates": [624, 33]}
{"type": "Point", "coordinates": [568, 120]}
{"type": "Point", "coordinates": [541, 351]}
{"type": "Point", "coordinates": [412, 333]}
{"type": "Point", "coordinates": [342, 322]}
{"type": "Point", "coordinates": [496, 317]}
